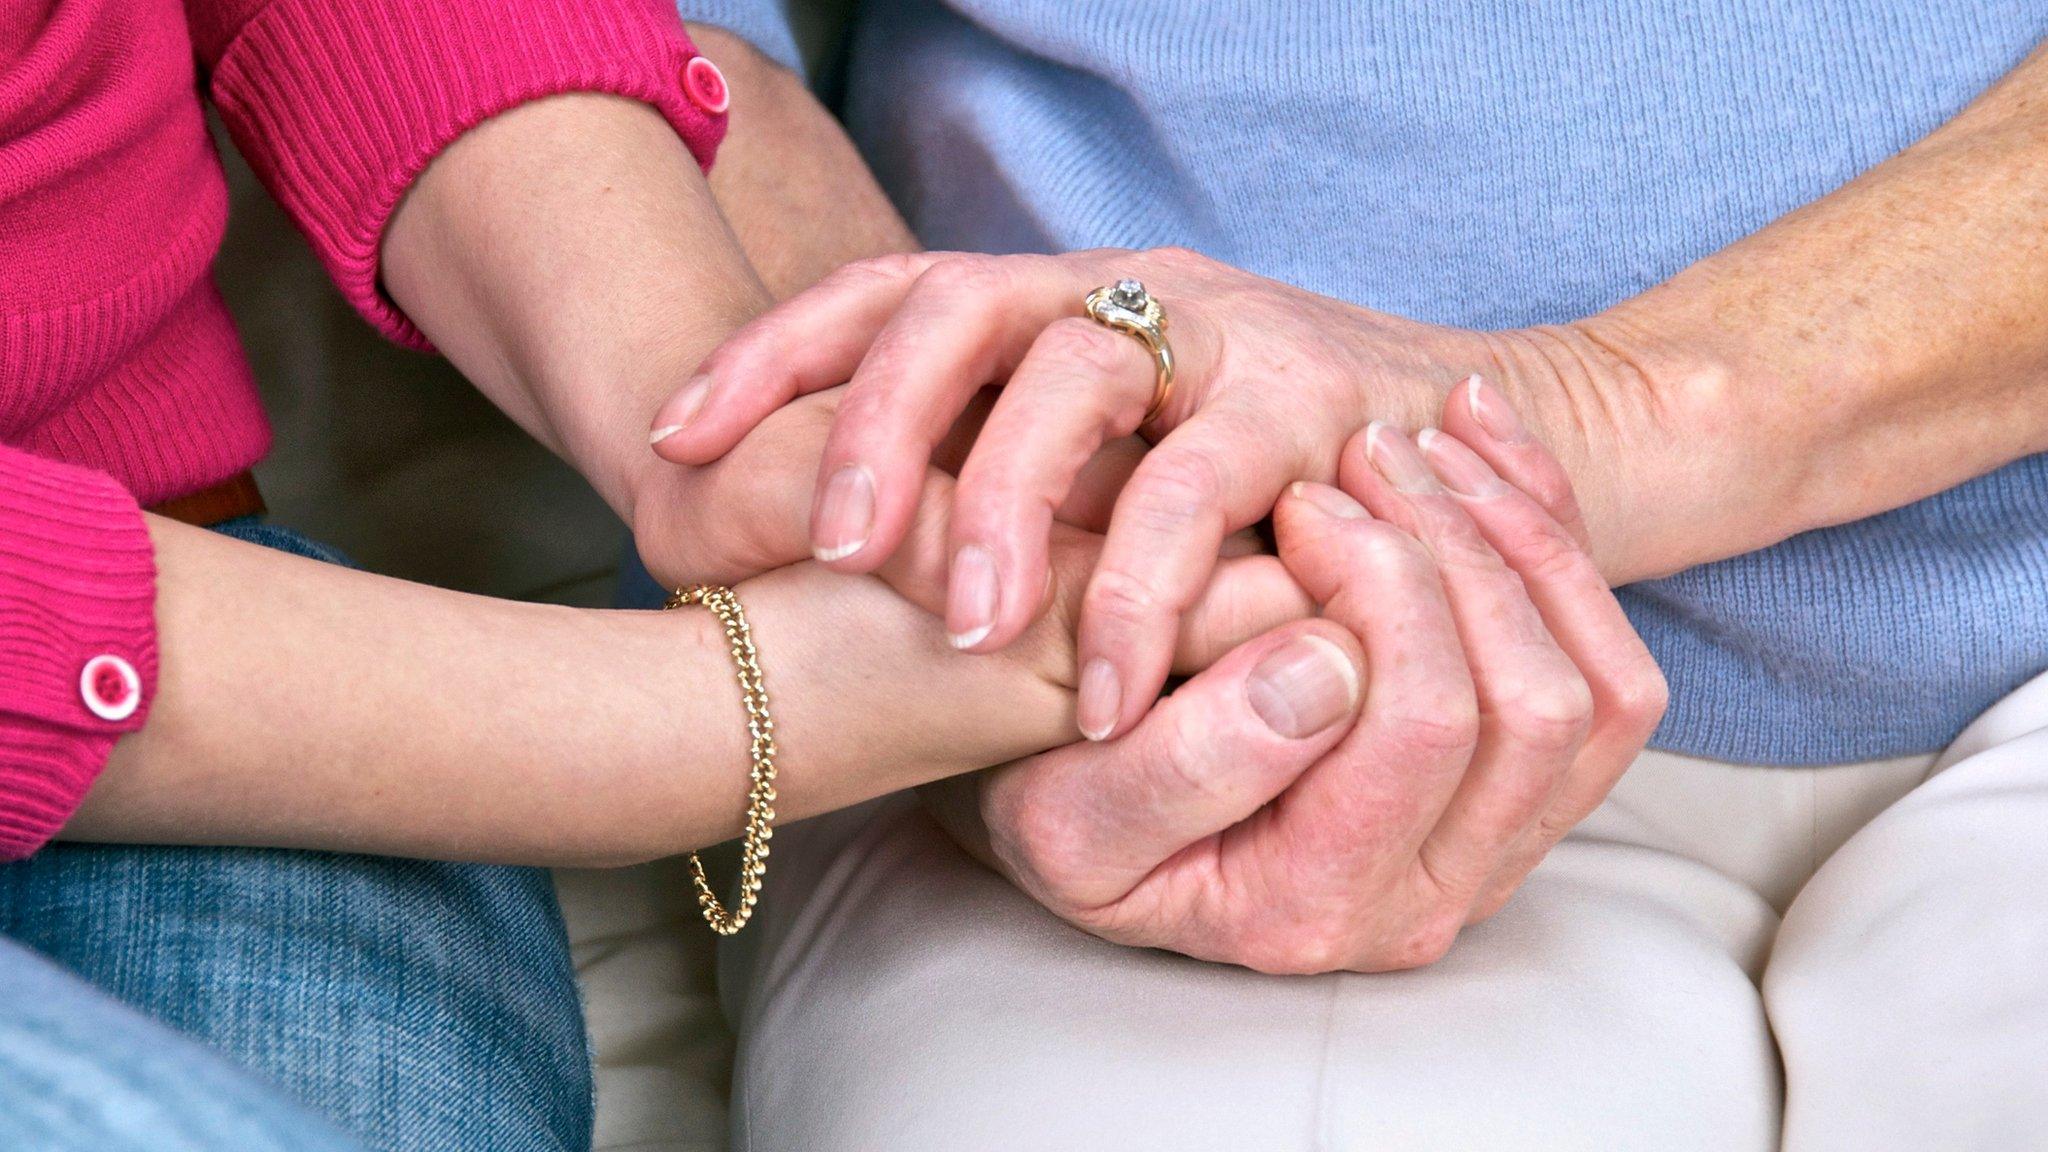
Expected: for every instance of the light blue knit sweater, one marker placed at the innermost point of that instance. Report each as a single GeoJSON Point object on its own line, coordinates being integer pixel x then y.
{"type": "Point", "coordinates": [1495, 164]}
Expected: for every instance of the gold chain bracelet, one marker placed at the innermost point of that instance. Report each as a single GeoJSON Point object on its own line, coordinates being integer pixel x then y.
{"type": "Point", "coordinates": [761, 796]}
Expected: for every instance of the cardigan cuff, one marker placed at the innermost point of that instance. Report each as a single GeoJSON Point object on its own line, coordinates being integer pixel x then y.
{"type": "Point", "coordinates": [339, 105]}
{"type": "Point", "coordinates": [77, 637]}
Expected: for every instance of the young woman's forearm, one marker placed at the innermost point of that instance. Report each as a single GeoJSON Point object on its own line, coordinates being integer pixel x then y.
{"type": "Point", "coordinates": [305, 705]}
{"type": "Point", "coordinates": [1877, 346]}
{"type": "Point", "coordinates": [568, 257]}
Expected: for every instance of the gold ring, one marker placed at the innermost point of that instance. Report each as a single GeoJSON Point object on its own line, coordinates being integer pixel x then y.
{"type": "Point", "coordinates": [1126, 307]}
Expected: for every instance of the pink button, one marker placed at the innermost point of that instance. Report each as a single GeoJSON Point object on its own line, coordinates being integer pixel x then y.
{"type": "Point", "coordinates": [705, 85]}
{"type": "Point", "coordinates": [110, 688]}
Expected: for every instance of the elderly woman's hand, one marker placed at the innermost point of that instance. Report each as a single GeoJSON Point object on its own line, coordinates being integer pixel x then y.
{"type": "Point", "coordinates": [1271, 381]}
{"type": "Point", "coordinates": [750, 512]}
{"type": "Point", "coordinates": [1498, 692]}
{"type": "Point", "coordinates": [747, 513]}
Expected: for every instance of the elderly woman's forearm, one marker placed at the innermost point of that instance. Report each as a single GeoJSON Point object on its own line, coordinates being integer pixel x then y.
{"type": "Point", "coordinates": [1877, 346]}
{"type": "Point", "coordinates": [797, 193]}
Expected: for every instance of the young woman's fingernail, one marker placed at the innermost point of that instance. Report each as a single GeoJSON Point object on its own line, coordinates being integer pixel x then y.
{"type": "Point", "coordinates": [1303, 687]}
{"type": "Point", "coordinates": [846, 514]}
{"type": "Point", "coordinates": [1460, 469]}
{"type": "Point", "coordinates": [682, 409]}
{"type": "Point", "coordinates": [1329, 501]}
{"type": "Point", "coordinates": [1398, 460]}
{"type": "Point", "coordinates": [973, 592]}
{"type": "Point", "coordinates": [1102, 697]}
{"type": "Point", "coordinates": [1493, 412]}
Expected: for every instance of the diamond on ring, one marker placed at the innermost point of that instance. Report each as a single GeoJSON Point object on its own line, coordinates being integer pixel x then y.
{"type": "Point", "coordinates": [1129, 294]}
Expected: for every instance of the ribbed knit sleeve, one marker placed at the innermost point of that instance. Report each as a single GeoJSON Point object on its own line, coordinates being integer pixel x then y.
{"type": "Point", "coordinates": [339, 105]}
{"type": "Point", "coordinates": [77, 638]}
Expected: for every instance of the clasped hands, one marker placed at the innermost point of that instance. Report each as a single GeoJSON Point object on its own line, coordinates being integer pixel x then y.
{"type": "Point", "coordinates": [1388, 721]}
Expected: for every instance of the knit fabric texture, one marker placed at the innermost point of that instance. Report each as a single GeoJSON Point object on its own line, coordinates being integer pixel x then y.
{"type": "Point", "coordinates": [1494, 165]}
{"type": "Point", "coordinates": [121, 378]}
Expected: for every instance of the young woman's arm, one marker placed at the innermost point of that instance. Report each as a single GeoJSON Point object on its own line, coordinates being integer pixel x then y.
{"type": "Point", "coordinates": [571, 260]}
{"type": "Point", "coordinates": [301, 704]}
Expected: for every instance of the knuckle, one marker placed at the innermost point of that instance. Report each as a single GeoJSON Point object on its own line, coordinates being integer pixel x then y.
{"type": "Point", "coordinates": [859, 415]}
{"type": "Point", "coordinates": [1122, 598]}
{"type": "Point", "coordinates": [1553, 826]}
{"type": "Point", "coordinates": [1546, 713]}
{"type": "Point", "coordinates": [738, 548]}
{"type": "Point", "coordinates": [1545, 552]}
{"type": "Point", "coordinates": [891, 268]}
{"type": "Point", "coordinates": [1143, 928]}
{"type": "Point", "coordinates": [984, 505]}
{"type": "Point", "coordinates": [1424, 944]}
{"type": "Point", "coordinates": [1300, 949]}
{"type": "Point", "coordinates": [959, 276]}
{"type": "Point", "coordinates": [865, 406]}
{"type": "Point", "coordinates": [1176, 256]}
{"type": "Point", "coordinates": [1033, 835]}
{"type": "Point", "coordinates": [1643, 695]}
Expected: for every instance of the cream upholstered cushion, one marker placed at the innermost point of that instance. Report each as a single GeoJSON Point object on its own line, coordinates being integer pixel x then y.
{"type": "Point", "coordinates": [664, 1056]}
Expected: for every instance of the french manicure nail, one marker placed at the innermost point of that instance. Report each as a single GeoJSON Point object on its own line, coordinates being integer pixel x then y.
{"type": "Point", "coordinates": [1102, 696]}
{"type": "Point", "coordinates": [1303, 687]}
{"type": "Point", "coordinates": [1329, 501]}
{"type": "Point", "coordinates": [1398, 460]}
{"type": "Point", "coordinates": [1493, 412]}
{"type": "Point", "coordinates": [846, 514]}
{"type": "Point", "coordinates": [1460, 469]}
{"type": "Point", "coordinates": [973, 592]}
{"type": "Point", "coordinates": [685, 406]}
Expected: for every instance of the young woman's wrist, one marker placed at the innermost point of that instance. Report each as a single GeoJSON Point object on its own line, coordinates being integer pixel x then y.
{"type": "Point", "coordinates": [869, 698]}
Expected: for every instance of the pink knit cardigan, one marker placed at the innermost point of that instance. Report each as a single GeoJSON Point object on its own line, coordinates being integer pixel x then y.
{"type": "Point", "coordinates": [122, 383]}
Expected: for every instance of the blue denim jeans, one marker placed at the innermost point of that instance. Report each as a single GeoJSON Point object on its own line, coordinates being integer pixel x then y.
{"type": "Point", "coordinates": [175, 998]}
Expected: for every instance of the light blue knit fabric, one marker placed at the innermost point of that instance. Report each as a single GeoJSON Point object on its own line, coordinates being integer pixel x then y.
{"type": "Point", "coordinates": [1495, 164]}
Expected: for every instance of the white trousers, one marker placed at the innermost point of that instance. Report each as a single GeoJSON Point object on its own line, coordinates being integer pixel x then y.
{"type": "Point", "coordinates": [1723, 958]}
